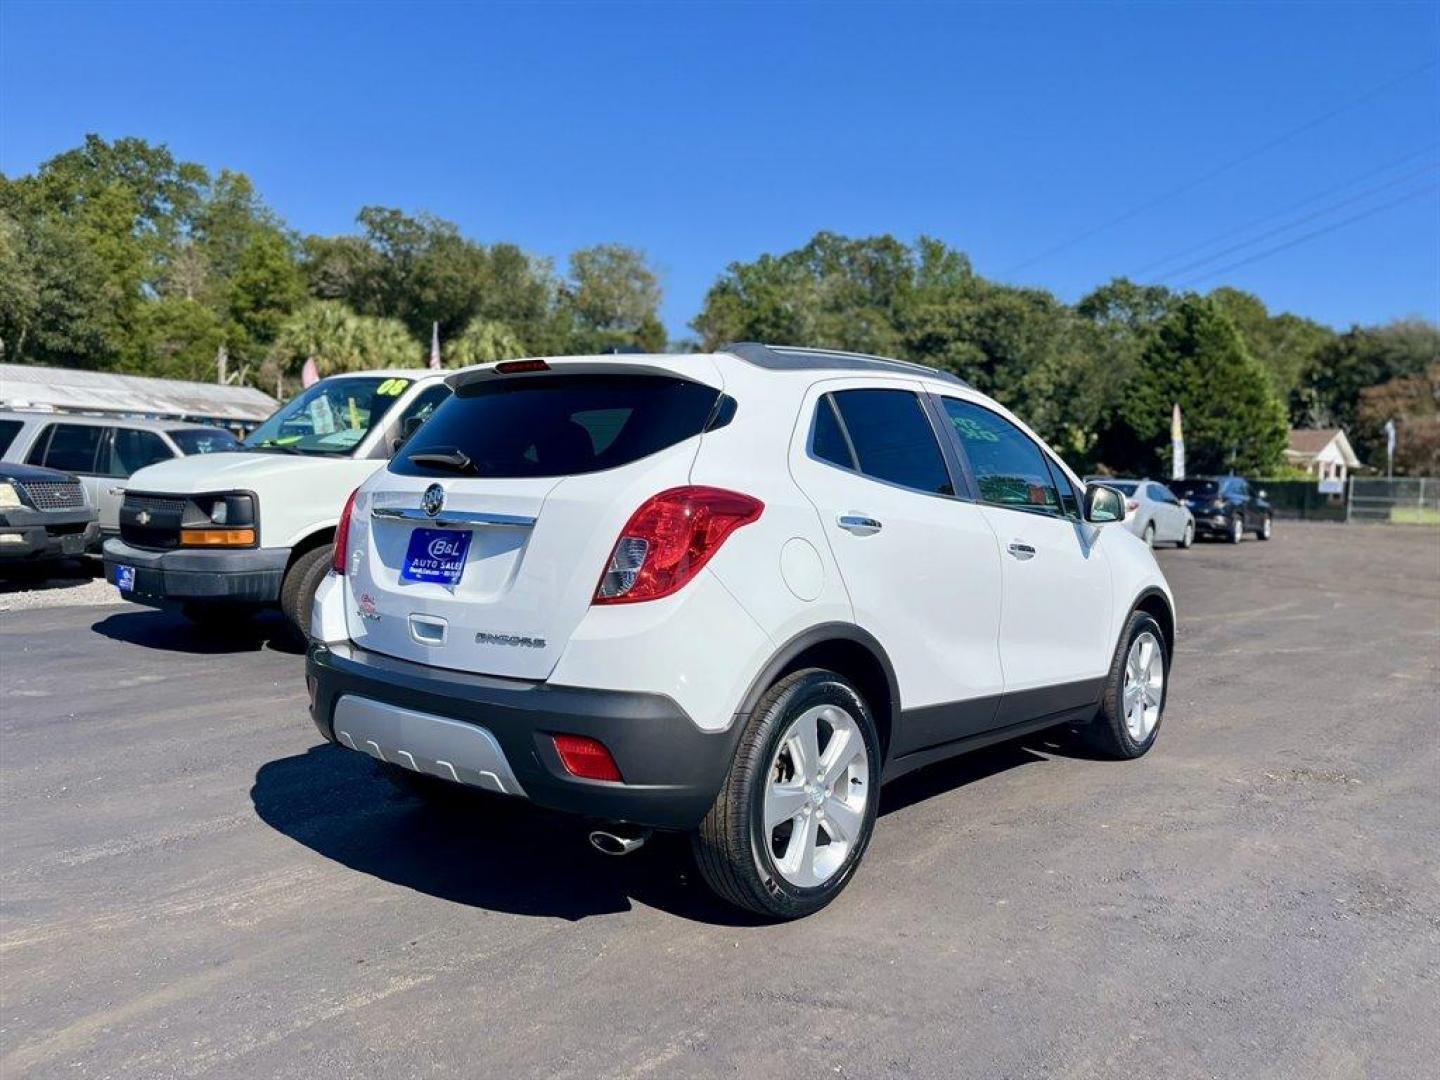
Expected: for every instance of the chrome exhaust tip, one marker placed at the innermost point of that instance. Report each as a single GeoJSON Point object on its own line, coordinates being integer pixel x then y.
{"type": "Point", "coordinates": [621, 842]}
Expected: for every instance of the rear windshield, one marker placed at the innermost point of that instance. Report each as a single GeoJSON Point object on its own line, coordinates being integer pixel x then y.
{"type": "Point", "coordinates": [1125, 487]}
{"type": "Point", "coordinates": [204, 440]}
{"type": "Point", "coordinates": [556, 425]}
{"type": "Point", "coordinates": [1193, 488]}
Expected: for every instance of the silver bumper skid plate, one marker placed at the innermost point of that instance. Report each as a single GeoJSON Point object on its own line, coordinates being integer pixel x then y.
{"type": "Point", "coordinates": [449, 749]}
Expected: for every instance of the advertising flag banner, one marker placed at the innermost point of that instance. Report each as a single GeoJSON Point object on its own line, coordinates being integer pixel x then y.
{"type": "Point", "coordinates": [1177, 445]}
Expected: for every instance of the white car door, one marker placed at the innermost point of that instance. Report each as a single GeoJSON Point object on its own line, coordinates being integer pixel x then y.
{"type": "Point", "coordinates": [920, 564]}
{"type": "Point", "coordinates": [1168, 515]}
{"type": "Point", "coordinates": [1054, 636]}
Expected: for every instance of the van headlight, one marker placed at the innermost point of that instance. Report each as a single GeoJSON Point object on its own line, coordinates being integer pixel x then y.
{"type": "Point", "coordinates": [228, 521]}
{"type": "Point", "coordinates": [9, 497]}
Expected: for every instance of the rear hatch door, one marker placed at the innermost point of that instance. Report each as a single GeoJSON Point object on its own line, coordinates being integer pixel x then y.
{"type": "Point", "coordinates": [481, 548]}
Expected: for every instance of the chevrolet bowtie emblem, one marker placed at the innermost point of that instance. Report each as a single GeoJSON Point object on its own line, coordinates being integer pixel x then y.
{"type": "Point", "coordinates": [143, 517]}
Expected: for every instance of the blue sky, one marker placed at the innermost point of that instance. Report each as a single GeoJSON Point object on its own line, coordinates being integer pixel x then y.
{"type": "Point", "coordinates": [1058, 145]}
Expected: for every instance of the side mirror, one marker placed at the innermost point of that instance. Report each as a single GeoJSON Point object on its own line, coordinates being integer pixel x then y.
{"type": "Point", "coordinates": [408, 427]}
{"type": "Point", "coordinates": [1103, 504]}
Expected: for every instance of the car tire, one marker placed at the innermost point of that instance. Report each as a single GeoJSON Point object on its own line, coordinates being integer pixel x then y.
{"type": "Point", "coordinates": [297, 592]}
{"type": "Point", "coordinates": [212, 616]}
{"type": "Point", "coordinates": [1266, 529]}
{"type": "Point", "coordinates": [1187, 538]}
{"type": "Point", "coordinates": [1149, 535]}
{"type": "Point", "coordinates": [1112, 733]}
{"type": "Point", "coordinates": [1237, 529]}
{"type": "Point", "coordinates": [736, 853]}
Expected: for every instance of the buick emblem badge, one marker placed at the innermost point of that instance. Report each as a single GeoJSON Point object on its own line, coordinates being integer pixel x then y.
{"type": "Point", "coordinates": [433, 501]}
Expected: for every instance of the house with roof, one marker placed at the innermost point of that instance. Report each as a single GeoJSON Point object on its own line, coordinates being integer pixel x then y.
{"type": "Point", "coordinates": [1325, 453]}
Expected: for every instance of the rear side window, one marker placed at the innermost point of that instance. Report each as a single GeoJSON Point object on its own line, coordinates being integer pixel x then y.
{"type": "Point", "coordinates": [830, 444]}
{"type": "Point", "coordinates": [1010, 470]}
{"type": "Point", "coordinates": [892, 439]}
{"type": "Point", "coordinates": [68, 447]}
{"type": "Point", "coordinates": [133, 449]}
{"type": "Point", "coordinates": [8, 430]}
{"type": "Point", "coordinates": [556, 425]}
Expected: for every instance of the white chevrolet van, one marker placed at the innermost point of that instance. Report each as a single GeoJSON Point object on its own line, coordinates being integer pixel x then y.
{"type": "Point", "coordinates": [221, 535]}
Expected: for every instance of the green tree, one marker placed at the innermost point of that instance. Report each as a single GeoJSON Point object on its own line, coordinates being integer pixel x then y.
{"type": "Point", "coordinates": [1234, 421]}
{"type": "Point", "coordinates": [339, 340]}
{"type": "Point", "coordinates": [613, 296]}
{"type": "Point", "coordinates": [1413, 403]}
{"type": "Point", "coordinates": [1330, 390]}
{"type": "Point", "coordinates": [482, 342]}
{"type": "Point", "coordinates": [1284, 344]}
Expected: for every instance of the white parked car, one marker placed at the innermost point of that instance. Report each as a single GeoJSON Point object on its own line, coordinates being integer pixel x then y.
{"type": "Point", "coordinates": [728, 594]}
{"type": "Point", "coordinates": [1153, 512]}
{"type": "Point", "coordinates": [221, 535]}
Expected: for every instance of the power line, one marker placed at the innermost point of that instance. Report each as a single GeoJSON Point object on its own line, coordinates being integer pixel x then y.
{"type": "Point", "coordinates": [1140, 271]}
{"type": "Point", "coordinates": [1249, 155]}
{"type": "Point", "coordinates": [1213, 256]}
{"type": "Point", "coordinates": [1312, 234]}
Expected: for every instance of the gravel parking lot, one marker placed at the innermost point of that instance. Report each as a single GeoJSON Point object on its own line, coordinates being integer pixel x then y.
{"type": "Point", "coordinates": [193, 885]}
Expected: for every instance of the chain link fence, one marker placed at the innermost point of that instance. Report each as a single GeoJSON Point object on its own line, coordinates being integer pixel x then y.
{"type": "Point", "coordinates": [1409, 500]}
{"type": "Point", "coordinates": [1368, 500]}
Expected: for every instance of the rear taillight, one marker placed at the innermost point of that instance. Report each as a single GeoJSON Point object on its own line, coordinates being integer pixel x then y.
{"type": "Point", "coordinates": [342, 535]}
{"type": "Point", "coordinates": [668, 540]}
{"type": "Point", "coordinates": [1131, 506]}
{"type": "Point", "coordinates": [586, 758]}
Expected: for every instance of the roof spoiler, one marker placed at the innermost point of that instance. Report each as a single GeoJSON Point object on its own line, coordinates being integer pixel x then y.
{"type": "Point", "coordinates": [799, 358]}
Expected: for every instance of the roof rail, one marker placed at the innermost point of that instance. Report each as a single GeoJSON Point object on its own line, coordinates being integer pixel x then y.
{"type": "Point", "coordinates": [800, 358]}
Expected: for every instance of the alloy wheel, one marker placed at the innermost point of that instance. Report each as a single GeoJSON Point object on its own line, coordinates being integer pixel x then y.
{"type": "Point", "coordinates": [816, 793]}
{"type": "Point", "coordinates": [1144, 686]}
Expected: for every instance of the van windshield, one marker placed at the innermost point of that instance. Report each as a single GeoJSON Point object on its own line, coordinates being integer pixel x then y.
{"type": "Point", "coordinates": [331, 417]}
{"type": "Point", "coordinates": [555, 425]}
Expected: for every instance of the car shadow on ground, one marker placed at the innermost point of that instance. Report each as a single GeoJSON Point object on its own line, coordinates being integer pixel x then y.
{"type": "Point", "coordinates": [506, 855]}
{"type": "Point", "coordinates": [50, 574]}
{"type": "Point", "coordinates": [170, 631]}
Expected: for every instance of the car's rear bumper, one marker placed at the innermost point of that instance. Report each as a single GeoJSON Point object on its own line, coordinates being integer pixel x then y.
{"type": "Point", "coordinates": [413, 715]}
{"type": "Point", "coordinates": [243, 576]}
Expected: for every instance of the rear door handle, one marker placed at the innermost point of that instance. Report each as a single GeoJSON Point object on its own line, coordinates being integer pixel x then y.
{"type": "Point", "coordinates": [859, 524]}
{"type": "Point", "coordinates": [1021, 551]}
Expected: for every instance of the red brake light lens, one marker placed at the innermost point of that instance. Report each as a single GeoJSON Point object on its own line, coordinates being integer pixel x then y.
{"type": "Point", "coordinates": [516, 367]}
{"type": "Point", "coordinates": [586, 758]}
{"type": "Point", "coordinates": [342, 535]}
{"type": "Point", "coordinates": [668, 540]}
{"type": "Point", "coordinates": [1131, 506]}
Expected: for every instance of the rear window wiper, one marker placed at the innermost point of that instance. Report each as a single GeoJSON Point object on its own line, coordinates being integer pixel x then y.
{"type": "Point", "coordinates": [445, 459]}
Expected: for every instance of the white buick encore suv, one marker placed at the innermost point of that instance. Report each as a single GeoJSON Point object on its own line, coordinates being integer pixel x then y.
{"type": "Point", "coordinates": [729, 594]}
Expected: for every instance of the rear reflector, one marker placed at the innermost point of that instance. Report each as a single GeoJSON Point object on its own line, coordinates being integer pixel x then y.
{"type": "Point", "coordinates": [517, 367]}
{"type": "Point", "coordinates": [217, 537]}
{"type": "Point", "coordinates": [586, 758]}
{"type": "Point", "coordinates": [668, 540]}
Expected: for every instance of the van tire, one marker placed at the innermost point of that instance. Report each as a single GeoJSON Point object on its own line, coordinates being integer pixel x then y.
{"type": "Point", "coordinates": [297, 592]}
{"type": "Point", "coordinates": [730, 847]}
